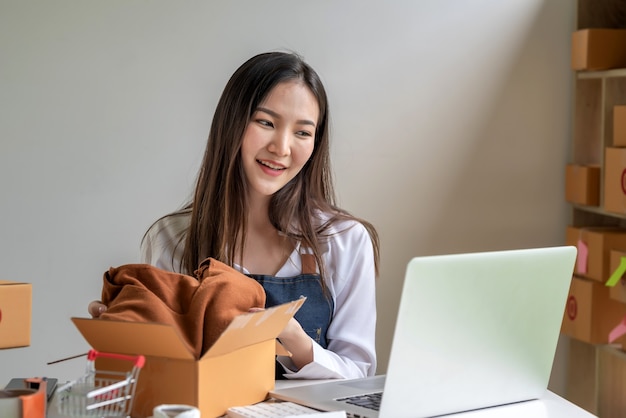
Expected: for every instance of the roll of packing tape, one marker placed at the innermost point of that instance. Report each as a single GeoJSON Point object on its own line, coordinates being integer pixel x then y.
{"type": "Point", "coordinates": [175, 411]}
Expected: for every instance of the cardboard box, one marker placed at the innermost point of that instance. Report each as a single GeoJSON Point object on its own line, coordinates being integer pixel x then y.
{"type": "Point", "coordinates": [611, 381]}
{"type": "Point", "coordinates": [15, 314]}
{"type": "Point", "coordinates": [594, 249]}
{"type": "Point", "coordinates": [581, 375]}
{"type": "Point", "coordinates": [237, 370]}
{"type": "Point", "coordinates": [615, 180]}
{"type": "Point", "coordinates": [619, 126]}
{"type": "Point", "coordinates": [598, 49]}
{"type": "Point", "coordinates": [590, 313]}
{"type": "Point", "coordinates": [582, 184]}
{"type": "Point", "coordinates": [617, 292]}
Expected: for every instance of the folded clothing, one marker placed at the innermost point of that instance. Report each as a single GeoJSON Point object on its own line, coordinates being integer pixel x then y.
{"type": "Point", "coordinates": [200, 307]}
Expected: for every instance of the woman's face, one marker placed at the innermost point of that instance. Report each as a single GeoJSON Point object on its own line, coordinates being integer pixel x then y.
{"type": "Point", "coordinates": [279, 138]}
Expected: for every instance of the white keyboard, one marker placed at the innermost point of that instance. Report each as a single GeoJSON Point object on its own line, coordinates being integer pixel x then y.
{"type": "Point", "coordinates": [278, 409]}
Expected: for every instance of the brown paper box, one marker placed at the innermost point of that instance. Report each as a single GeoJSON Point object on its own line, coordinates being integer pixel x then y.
{"type": "Point", "coordinates": [615, 180]}
{"type": "Point", "coordinates": [598, 49]}
{"type": "Point", "coordinates": [582, 184]}
{"type": "Point", "coordinates": [617, 292]}
{"type": "Point", "coordinates": [15, 314]}
{"type": "Point", "coordinates": [599, 241]}
{"type": "Point", "coordinates": [611, 381]}
{"type": "Point", "coordinates": [237, 370]}
{"type": "Point", "coordinates": [590, 313]}
{"type": "Point", "coordinates": [581, 373]}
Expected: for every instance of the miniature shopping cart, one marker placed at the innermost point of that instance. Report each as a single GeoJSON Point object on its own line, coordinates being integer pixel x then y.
{"type": "Point", "coordinates": [101, 393]}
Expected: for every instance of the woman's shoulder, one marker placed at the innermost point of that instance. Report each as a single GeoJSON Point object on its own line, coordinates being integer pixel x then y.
{"type": "Point", "coordinates": [171, 225]}
{"type": "Point", "coordinates": [338, 223]}
{"type": "Point", "coordinates": [340, 233]}
{"type": "Point", "coordinates": [162, 244]}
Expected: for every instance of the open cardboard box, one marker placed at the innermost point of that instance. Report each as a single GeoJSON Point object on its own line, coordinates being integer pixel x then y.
{"type": "Point", "coordinates": [15, 313]}
{"type": "Point", "coordinates": [237, 370]}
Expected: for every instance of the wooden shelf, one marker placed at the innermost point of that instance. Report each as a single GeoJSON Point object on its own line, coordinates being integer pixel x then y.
{"type": "Point", "coordinates": [614, 73]}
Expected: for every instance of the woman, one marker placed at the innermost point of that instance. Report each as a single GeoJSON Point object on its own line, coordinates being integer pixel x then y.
{"type": "Point", "coordinates": [264, 203]}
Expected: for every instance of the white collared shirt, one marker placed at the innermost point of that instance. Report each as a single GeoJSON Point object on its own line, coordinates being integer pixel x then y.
{"type": "Point", "coordinates": [350, 279]}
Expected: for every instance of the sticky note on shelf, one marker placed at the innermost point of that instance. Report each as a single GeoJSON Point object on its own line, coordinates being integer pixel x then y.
{"type": "Point", "coordinates": [618, 273]}
{"type": "Point", "coordinates": [581, 259]}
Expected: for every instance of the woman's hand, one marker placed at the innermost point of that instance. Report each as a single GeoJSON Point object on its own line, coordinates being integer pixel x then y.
{"type": "Point", "coordinates": [294, 339]}
{"type": "Point", "coordinates": [96, 308]}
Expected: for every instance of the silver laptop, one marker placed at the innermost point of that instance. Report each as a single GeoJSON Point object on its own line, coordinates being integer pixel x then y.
{"type": "Point", "coordinates": [473, 331]}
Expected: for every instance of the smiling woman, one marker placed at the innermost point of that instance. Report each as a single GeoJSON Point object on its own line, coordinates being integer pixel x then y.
{"type": "Point", "coordinates": [264, 204]}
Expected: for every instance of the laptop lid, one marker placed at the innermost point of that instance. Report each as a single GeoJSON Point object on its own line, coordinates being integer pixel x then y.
{"type": "Point", "coordinates": [473, 331]}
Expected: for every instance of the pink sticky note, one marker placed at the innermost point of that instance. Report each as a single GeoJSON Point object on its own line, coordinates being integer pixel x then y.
{"type": "Point", "coordinates": [618, 331]}
{"type": "Point", "coordinates": [581, 259]}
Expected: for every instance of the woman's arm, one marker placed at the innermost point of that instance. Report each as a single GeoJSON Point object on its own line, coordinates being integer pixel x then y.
{"type": "Point", "coordinates": [351, 351]}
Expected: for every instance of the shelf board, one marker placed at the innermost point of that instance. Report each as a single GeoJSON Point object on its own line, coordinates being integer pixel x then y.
{"type": "Point", "coordinates": [613, 73]}
{"type": "Point", "coordinates": [599, 210]}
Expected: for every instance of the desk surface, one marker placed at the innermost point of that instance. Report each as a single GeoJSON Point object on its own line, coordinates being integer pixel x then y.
{"type": "Point", "coordinates": [550, 406]}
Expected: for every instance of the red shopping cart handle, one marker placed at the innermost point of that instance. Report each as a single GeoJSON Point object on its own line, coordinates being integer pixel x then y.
{"type": "Point", "coordinates": [138, 360]}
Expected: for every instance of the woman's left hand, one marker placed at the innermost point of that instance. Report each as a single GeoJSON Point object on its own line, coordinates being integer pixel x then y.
{"type": "Point", "coordinates": [294, 339]}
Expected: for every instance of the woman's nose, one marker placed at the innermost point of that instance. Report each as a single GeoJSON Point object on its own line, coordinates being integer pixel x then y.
{"type": "Point", "coordinates": [280, 144]}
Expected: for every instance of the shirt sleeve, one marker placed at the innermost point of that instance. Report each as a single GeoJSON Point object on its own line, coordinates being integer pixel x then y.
{"type": "Point", "coordinates": [162, 246]}
{"type": "Point", "coordinates": [351, 276]}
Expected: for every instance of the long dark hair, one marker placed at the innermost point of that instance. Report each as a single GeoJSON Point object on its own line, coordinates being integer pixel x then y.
{"type": "Point", "coordinates": [219, 206]}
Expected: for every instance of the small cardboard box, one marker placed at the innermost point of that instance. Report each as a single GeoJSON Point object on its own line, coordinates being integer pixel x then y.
{"type": "Point", "coordinates": [581, 375]}
{"type": "Point", "coordinates": [611, 372]}
{"type": "Point", "coordinates": [15, 314]}
{"type": "Point", "coordinates": [598, 49]}
{"type": "Point", "coordinates": [582, 184]}
{"type": "Point", "coordinates": [619, 126]}
{"type": "Point", "coordinates": [615, 180]}
{"type": "Point", "coordinates": [590, 313]}
{"type": "Point", "coordinates": [594, 249]}
{"type": "Point", "coordinates": [617, 292]}
{"type": "Point", "coordinates": [237, 370]}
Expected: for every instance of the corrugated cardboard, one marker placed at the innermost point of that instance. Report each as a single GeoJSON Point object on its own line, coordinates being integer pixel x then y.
{"type": "Point", "coordinates": [599, 242]}
{"type": "Point", "coordinates": [237, 370]}
{"type": "Point", "coordinates": [590, 313]}
{"type": "Point", "coordinates": [619, 126]}
{"type": "Point", "coordinates": [611, 381]}
{"type": "Point", "coordinates": [615, 180]}
{"type": "Point", "coordinates": [617, 292]}
{"type": "Point", "coordinates": [581, 375]}
{"type": "Point", "coordinates": [598, 49]}
{"type": "Point", "coordinates": [582, 184]}
{"type": "Point", "coordinates": [15, 314]}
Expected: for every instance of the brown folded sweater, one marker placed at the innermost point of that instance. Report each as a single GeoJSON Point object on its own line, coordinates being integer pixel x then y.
{"type": "Point", "coordinates": [199, 307]}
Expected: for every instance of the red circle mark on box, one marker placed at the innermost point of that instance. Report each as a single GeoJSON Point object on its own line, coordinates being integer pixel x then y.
{"type": "Point", "coordinates": [624, 181]}
{"type": "Point", "coordinates": [572, 308]}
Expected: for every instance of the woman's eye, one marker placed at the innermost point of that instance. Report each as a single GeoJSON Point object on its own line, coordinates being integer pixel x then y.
{"type": "Point", "coordinates": [304, 133]}
{"type": "Point", "coordinates": [265, 122]}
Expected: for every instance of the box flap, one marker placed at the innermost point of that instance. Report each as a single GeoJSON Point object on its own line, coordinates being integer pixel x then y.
{"type": "Point", "coordinates": [10, 282]}
{"type": "Point", "coordinates": [252, 328]}
{"type": "Point", "coordinates": [146, 338]}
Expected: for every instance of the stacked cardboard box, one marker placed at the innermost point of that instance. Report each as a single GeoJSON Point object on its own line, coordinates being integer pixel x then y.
{"type": "Point", "coordinates": [598, 49]}
{"type": "Point", "coordinates": [15, 314]}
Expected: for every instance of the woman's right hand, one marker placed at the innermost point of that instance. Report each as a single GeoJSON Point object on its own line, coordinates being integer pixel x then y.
{"type": "Point", "coordinates": [96, 308]}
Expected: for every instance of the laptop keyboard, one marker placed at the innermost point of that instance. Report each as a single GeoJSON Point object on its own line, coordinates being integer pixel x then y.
{"type": "Point", "coordinates": [369, 400]}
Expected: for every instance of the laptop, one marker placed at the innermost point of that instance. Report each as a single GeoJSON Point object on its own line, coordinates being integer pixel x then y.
{"type": "Point", "coordinates": [473, 331]}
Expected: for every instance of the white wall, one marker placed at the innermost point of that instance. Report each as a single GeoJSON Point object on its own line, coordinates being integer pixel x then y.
{"type": "Point", "coordinates": [450, 123]}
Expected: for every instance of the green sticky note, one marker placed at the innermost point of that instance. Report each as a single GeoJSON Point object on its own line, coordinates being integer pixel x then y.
{"type": "Point", "coordinates": [617, 274]}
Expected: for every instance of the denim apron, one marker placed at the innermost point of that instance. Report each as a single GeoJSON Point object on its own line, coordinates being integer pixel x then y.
{"type": "Point", "coordinates": [315, 314]}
